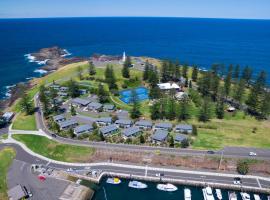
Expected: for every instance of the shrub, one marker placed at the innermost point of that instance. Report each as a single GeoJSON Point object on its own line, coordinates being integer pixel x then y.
{"type": "Point", "coordinates": [242, 167]}
{"type": "Point", "coordinates": [185, 143]}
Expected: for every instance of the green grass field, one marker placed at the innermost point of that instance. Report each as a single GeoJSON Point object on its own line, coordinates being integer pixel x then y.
{"type": "Point", "coordinates": [25, 122]}
{"type": "Point", "coordinates": [55, 150]}
{"type": "Point", "coordinates": [6, 157]}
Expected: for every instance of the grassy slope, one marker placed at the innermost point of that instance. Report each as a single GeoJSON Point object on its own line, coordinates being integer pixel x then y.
{"type": "Point", "coordinates": [25, 122]}
{"type": "Point", "coordinates": [6, 157]}
{"type": "Point", "coordinates": [55, 150]}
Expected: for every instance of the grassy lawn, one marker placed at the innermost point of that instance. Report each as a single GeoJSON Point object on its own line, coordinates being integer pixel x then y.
{"type": "Point", "coordinates": [55, 150]}
{"type": "Point", "coordinates": [4, 136]}
{"type": "Point", "coordinates": [235, 131]}
{"type": "Point", "coordinates": [6, 157]}
{"type": "Point", "coordinates": [25, 122]}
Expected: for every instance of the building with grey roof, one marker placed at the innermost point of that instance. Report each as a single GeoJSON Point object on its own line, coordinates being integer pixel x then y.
{"type": "Point", "coordinates": [108, 107]}
{"type": "Point", "coordinates": [95, 106]}
{"type": "Point", "coordinates": [63, 89]}
{"type": "Point", "coordinates": [59, 118]}
{"type": "Point", "coordinates": [163, 126]}
{"type": "Point", "coordinates": [183, 128]}
{"type": "Point", "coordinates": [17, 193]}
{"type": "Point", "coordinates": [86, 128]}
{"type": "Point", "coordinates": [160, 136]}
{"type": "Point", "coordinates": [62, 94]}
{"type": "Point", "coordinates": [68, 124]}
{"type": "Point", "coordinates": [104, 121]}
{"type": "Point", "coordinates": [131, 132]}
{"type": "Point", "coordinates": [55, 86]}
{"type": "Point", "coordinates": [8, 116]}
{"type": "Point", "coordinates": [80, 102]}
{"type": "Point", "coordinates": [123, 123]}
{"type": "Point", "coordinates": [107, 130]}
{"type": "Point", "coordinates": [180, 138]}
{"type": "Point", "coordinates": [144, 124]}
{"type": "Point", "coordinates": [82, 91]}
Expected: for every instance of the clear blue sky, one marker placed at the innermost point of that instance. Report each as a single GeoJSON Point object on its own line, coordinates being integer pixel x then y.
{"type": "Point", "coordinates": [252, 9]}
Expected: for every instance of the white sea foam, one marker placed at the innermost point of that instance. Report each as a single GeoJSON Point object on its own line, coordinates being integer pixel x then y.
{"type": "Point", "coordinates": [8, 90]}
{"type": "Point", "coordinates": [42, 62]}
{"type": "Point", "coordinates": [66, 53]}
{"type": "Point", "coordinates": [30, 58]}
{"type": "Point", "coordinates": [41, 71]}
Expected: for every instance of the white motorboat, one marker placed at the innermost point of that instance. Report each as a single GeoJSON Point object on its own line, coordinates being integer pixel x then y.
{"type": "Point", "coordinates": [268, 197]}
{"type": "Point", "coordinates": [167, 187]}
{"type": "Point", "coordinates": [208, 194]}
{"type": "Point", "coordinates": [219, 194]}
{"type": "Point", "coordinates": [232, 196]}
{"type": "Point", "coordinates": [114, 181]}
{"type": "Point", "coordinates": [257, 197]}
{"type": "Point", "coordinates": [137, 185]}
{"type": "Point", "coordinates": [187, 194]}
{"type": "Point", "coordinates": [245, 196]}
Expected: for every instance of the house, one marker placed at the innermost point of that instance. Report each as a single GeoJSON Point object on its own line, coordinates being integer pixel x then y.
{"type": "Point", "coordinates": [168, 86]}
{"type": "Point", "coordinates": [63, 89]}
{"type": "Point", "coordinates": [8, 116]}
{"type": "Point", "coordinates": [163, 126]}
{"type": "Point", "coordinates": [123, 123]}
{"type": "Point", "coordinates": [107, 130]}
{"type": "Point", "coordinates": [80, 102]}
{"type": "Point", "coordinates": [17, 193]}
{"type": "Point", "coordinates": [231, 109]}
{"type": "Point", "coordinates": [180, 138]}
{"type": "Point", "coordinates": [131, 132]}
{"type": "Point", "coordinates": [82, 91]}
{"type": "Point", "coordinates": [55, 86]}
{"type": "Point", "coordinates": [183, 128]}
{"type": "Point", "coordinates": [160, 136]}
{"type": "Point", "coordinates": [144, 124]}
{"type": "Point", "coordinates": [62, 94]}
{"type": "Point", "coordinates": [95, 106]}
{"type": "Point", "coordinates": [181, 95]}
{"type": "Point", "coordinates": [83, 129]}
{"type": "Point", "coordinates": [108, 108]}
{"type": "Point", "coordinates": [104, 121]}
{"type": "Point", "coordinates": [59, 118]}
{"type": "Point", "coordinates": [68, 124]}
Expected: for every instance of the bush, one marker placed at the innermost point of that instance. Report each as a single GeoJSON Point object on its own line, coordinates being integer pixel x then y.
{"type": "Point", "coordinates": [124, 85]}
{"type": "Point", "coordinates": [242, 167]}
{"type": "Point", "coordinates": [194, 130]}
{"type": "Point", "coordinates": [185, 143]}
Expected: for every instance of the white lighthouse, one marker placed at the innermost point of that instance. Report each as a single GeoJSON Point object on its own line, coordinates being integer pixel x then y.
{"type": "Point", "coordinates": [124, 57]}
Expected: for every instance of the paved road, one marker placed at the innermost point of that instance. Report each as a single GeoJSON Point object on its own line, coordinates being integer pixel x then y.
{"type": "Point", "coordinates": [172, 173]}
{"type": "Point", "coordinates": [236, 152]}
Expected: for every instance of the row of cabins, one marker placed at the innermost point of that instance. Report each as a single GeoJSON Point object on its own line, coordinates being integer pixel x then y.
{"type": "Point", "coordinates": [92, 105]}
{"type": "Point", "coordinates": [108, 128]}
{"type": "Point", "coordinates": [62, 91]}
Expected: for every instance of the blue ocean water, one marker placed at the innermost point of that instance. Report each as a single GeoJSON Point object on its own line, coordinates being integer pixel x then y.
{"type": "Point", "coordinates": [189, 40]}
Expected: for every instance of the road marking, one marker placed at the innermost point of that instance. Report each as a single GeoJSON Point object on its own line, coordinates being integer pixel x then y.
{"type": "Point", "coordinates": [146, 167]}
{"type": "Point", "coordinates": [22, 166]}
{"type": "Point", "coordinates": [48, 164]}
{"type": "Point", "coordinates": [258, 181]}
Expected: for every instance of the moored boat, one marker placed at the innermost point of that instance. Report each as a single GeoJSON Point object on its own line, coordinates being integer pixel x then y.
{"type": "Point", "coordinates": [114, 181]}
{"type": "Point", "coordinates": [167, 187]}
{"type": "Point", "coordinates": [257, 197]}
{"type": "Point", "coordinates": [232, 196]}
{"type": "Point", "coordinates": [268, 197]}
{"type": "Point", "coordinates": [245, 196]}
{"type": "Point", "coordinates": [137, 185]}
{"type": "Point", "coordinates": [208, 194]}
{"type": "Point", "coordinates": [219, 194]}
{"type": "Point", "coordinates": [187, 194]}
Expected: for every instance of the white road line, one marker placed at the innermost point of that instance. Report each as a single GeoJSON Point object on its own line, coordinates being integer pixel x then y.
{"type": "Point", "coordinates": [48, 164]}
{"type": "Point", "coordinates": [146, 168]}
{"type": "Point", "coordinates": [258, 181]}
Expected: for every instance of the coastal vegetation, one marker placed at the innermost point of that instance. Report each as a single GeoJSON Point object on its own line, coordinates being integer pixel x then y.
{"type": "Point", "coordinates": [6, 156]}
{"type": "Point", "coordinates": [55, 150]}
{"type": "Point", "coordinates": [25, 122]}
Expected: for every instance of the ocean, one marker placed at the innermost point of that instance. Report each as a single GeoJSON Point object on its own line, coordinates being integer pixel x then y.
{"type": "Point", "coordinates": [106, 191]}
{"type": "Point", "coordinates": [189, 40]}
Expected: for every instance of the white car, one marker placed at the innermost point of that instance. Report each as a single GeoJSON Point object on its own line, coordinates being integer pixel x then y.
{"type": "Point", "coordinates": [252, 154]}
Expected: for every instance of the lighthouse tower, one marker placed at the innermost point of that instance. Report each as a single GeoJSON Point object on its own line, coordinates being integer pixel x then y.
{"type": "Point", "coordinates": [124, 57]}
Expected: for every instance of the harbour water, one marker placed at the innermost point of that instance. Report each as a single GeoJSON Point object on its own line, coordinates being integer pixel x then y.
{"type": "Point", "coordinates": [189, 40]}
{"type": "Point", "coordinates": [106, 191]}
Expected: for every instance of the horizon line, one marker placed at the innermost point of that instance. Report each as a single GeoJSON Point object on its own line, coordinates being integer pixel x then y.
{"type": "Point", "coordinates": [71, 17]}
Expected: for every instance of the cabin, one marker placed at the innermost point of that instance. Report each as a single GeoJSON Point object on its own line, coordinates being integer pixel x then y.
{"type": "Point", "coordinates": [83, 129]}
{"type": "Point", "coordinates": [80, 102]}
{"type": "Point", "coordinates": [55, 86]}
{"type": "Point", "coordinates": [59, 118]}
{"type": "Point", "coordinates": [7, 116]}
{"type": "Point", "coordinates": [160, 136]}
{"type": "Point", "coordinates": [144, 124]}
{"type": "Point", "coordinates": [131, 132]}
{"type": "Point", "coordinates": [123, 123]}
{"type": "Point", "coordinates": [104, 121]}
{"type": "Point", "coordinates": [108, 108]}
{"type": "Point", "coordinates": [95, 106]}
{"type": "Point", "coordinates": [169, 86]}
{"type": "Point", "coordinates": [183, 128]}
{"type": "Point", "coordinates": [108, 130]}
{"type": "Point", "coordinates": [180, 138]}
{"type": "Point", "coordinates": [63, 89]}
{"type": "Point", "coordinates": [163, 126]}
{"type": "Point", "coordinates": [68, 124]}
{"type": "Point", "coordinates": [82, 91]}
{"type": "Point", "coordinates": [62, 94]}
{"type": "Point", "coordinates": [231, 109]}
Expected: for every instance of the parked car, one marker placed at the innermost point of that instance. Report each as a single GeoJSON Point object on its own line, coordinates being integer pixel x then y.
{"type": "Point", "coordinates": [252, 154]}
{"type": "Point", "coordinates": [210, 152]}
{"type": "Point", "coordinates": [237, 181]}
